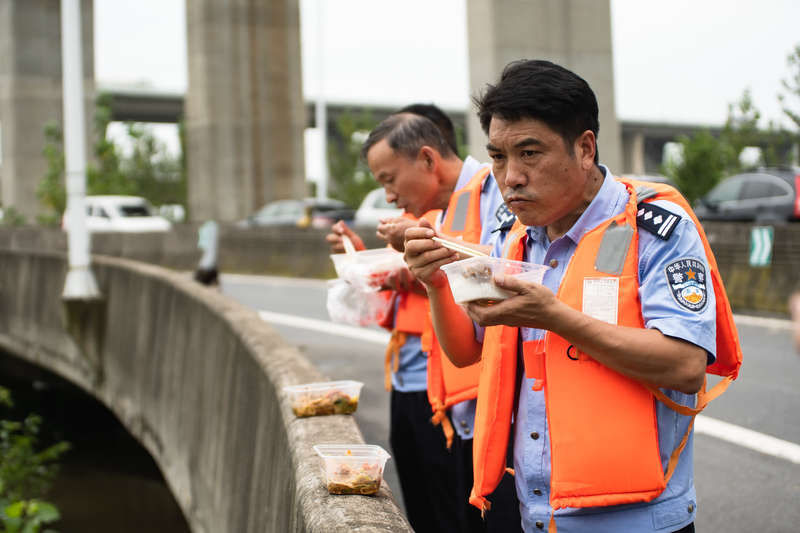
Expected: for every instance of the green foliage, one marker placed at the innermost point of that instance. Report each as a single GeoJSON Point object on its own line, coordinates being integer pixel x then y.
{"type": "Point", "coordinates": [704, 161]}
{"type": "Point", "coordinates": [51, 191]}
{"type": "Point", "coordinates": [26, 473]}
{"type": "Point", "coordinates": [12, 217]}
{"type": "Point", "coordinates": [149, 171]}
{"type": "Point", "coordinates": [792, 86]}
{"type": "Point", "coordinates": [350, 179]}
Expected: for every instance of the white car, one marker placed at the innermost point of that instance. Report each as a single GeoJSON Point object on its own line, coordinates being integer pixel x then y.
{"type": "Point", "coordinates": [373, 208]}
{"type": "Point", "coordinates": [127, 214]}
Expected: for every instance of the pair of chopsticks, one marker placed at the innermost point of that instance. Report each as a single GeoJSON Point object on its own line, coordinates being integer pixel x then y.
{"type": "Point", "coordinates": [459, 248]}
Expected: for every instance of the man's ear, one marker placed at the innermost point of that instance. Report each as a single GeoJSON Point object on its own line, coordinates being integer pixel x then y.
{"type": "Point", "coordinates": [427, 157]}
{"type": "Point", "coordinates": [585, 148]}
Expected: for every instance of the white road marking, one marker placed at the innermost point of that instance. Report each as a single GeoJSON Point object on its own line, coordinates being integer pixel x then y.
{"type": "Point", "coordinates": [704, 425]}
{"type": "Point", "coordinates": [763, 322]}
{"type": "Point", "coordinates": [748, 438]}
{"type": "Point", "coordinates": [324, 326]}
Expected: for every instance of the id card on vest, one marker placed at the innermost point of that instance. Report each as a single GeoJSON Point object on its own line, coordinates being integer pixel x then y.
{"type": "Point", "coordinates": [601, 298]}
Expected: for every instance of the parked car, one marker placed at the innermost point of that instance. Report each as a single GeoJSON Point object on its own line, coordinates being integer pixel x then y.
{"type": "Point", "coordinates": [313, 212]}
{"type": "Point", "coordinates": [127, 214]}
{"type": "Point", "coordinates": [763, 195]}
{"type": "Point", "coordinates": [374, 207]}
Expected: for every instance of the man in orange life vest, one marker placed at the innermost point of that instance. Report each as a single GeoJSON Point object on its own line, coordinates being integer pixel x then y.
{"type": "Point", "coordinates": [420, 171]}
{"type": "Point", "coordinates": [631, 310]}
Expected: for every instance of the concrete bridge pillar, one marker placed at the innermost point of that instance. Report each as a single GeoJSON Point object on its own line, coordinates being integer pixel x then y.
{"type": "Point", "coordinates": [572, 33]}
{"type": "Point", "coordinates": [244, 106]}
{"type": "Point", "coordinates": [633, 150]}
{"type": "Point", "coordinates": [30, 93]}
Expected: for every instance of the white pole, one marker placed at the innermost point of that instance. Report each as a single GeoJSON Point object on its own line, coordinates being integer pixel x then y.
{"type": "Point", "coordinates": [80, 283]}
{"type": "Point", "coordinates": [320, 111]}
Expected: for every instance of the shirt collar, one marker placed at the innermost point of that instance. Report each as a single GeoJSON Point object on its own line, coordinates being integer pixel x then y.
{"type": "Point", "coordinates": [470, 167]}
{"type": "Point", "coordinates": [609, 201]}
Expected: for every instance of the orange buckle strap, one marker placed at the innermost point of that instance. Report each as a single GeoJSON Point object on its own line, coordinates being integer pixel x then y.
{"type": "Point", "coordinates": [440, 417]}
{"type": "Point", "coordinates": [392, 361]}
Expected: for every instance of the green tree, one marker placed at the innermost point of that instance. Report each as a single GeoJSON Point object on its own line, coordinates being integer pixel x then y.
{"type": "Point", "coordinates": [149, 171]}
{"type": "Point", "coordinates": [704, 161]}
{"type": "Point", "coordinates": [51, 191]}
{"type": "Point", "coordinates": [350, 177]}
{"type": "Point", "coordinates": [26, 473]}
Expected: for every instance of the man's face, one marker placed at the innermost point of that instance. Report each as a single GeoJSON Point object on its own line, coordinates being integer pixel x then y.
{"type": "Point", "coordinates": [408, 182]}
{"type": "Point", "coordinates": [540, 179]}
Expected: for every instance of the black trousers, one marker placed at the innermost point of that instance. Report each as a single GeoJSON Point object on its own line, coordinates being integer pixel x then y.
{"type": "Point", "coordinates": [504, 515]}
{"type": "Point", "coordinates": [687, 529]}
{"type": "Point", "coordinates": [426, 468]}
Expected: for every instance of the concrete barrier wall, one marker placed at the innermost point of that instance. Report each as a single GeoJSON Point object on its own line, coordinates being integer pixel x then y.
{"type": "Point", "coordinates": [303, 252]}
{"type": "Point", "coordinates": [195, 377]}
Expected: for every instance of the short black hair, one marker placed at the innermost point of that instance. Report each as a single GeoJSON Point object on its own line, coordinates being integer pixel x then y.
{"type": "Point", "coordinates": [438, 117]}
{"type": "Point", "coordinates": [406, 134]}
{"type": "Point", "coordinates": [543, 91]}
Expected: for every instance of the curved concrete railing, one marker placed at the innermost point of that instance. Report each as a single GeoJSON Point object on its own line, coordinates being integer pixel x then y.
{"type": "Point", "coordinates": [196, 378]}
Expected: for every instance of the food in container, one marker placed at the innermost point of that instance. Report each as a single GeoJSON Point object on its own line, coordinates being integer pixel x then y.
{"type": "Point", "coordinates": [324, 398]}
{"type": "Point", "coordinates": [368, 269]}
{"type": "Point", "coordinates": [352, 468]}
{"type": "Point", "coordinates": [471, 279]}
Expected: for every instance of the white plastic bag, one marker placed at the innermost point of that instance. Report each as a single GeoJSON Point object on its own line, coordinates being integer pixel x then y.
{"type": "Point", "coordinates": [350, 304]}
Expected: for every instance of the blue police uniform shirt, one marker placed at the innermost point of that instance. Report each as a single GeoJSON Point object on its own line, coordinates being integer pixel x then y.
{"type": "Point", "coordinates": [412, 371]}
{"type": "Point", "coordinates": [491, 213]}
{"type": "Point", "coordinates": [676, 506]}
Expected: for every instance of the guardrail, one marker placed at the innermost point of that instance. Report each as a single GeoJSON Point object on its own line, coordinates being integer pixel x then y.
{"type": "Point", "coordinates": [196, 378]}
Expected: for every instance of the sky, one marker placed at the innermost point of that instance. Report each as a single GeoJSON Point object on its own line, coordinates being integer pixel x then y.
{"type": "Point", "coordinates": [682, 61]}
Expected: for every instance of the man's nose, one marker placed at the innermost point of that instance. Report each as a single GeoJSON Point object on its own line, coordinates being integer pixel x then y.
{"type": "Point", "coordinates": [515, 174]}
{"type": "Point", "coordinates": [391, 197]}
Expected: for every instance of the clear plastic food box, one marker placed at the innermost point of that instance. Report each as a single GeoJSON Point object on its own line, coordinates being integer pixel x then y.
{"type": "Point", "coordinates": [352, 468]}
{"type": "Point", "coordinates": [324, 398]}
{"type": "Point", "coordinates": [471, 279]}
{"type": "Point", "coordinates": [368, 269]}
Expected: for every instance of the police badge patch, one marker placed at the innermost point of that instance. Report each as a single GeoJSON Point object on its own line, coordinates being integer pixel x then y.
{"type": "Point", "coordinates": [505, 218]}
{"type": "Point", "coordinates": [687, 282]}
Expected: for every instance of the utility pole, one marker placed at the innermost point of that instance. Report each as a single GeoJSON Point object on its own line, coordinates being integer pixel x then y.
{"type": "Point", "coordinates": [80, 283]}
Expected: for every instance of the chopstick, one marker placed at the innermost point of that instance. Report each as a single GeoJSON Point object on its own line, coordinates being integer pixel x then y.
{"type": "Point", "coordinates": [459, 248]}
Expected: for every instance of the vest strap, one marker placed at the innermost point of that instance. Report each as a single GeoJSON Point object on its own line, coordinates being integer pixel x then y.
{"type": "Point", "coordinates": [440, 417]}
{"type": "Point", "coordinates": [392, 361]}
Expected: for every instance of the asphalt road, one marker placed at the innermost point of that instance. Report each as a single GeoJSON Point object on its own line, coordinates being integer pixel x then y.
{"type": "Point", "coordinates": [745, 481]}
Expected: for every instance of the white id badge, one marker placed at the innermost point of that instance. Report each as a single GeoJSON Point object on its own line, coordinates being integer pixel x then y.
{"type": "Point", "coordinates": [601, 298]}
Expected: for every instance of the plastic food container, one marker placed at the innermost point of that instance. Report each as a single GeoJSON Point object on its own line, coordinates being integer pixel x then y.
{"type": "Point", "coordinates": [471, 279]}
{"type": "Point", "coordinates": [324, 398]}
{"type": "Point", "coordinates": [368, 269]}
{"type": "Point", "coordinates": [352, 468]}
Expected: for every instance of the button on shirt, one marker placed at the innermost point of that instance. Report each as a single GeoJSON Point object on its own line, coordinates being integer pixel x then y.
{"type": "Point", "coordinates": [463, 413]}
{"type": "Point", "coordinates": [675, 507]}
{"type": "Point", "coordinates": [412, 368]}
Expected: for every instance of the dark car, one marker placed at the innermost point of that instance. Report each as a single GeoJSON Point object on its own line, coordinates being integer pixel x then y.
{"type": "Point", "coordinates": [313, 212]}
{"type": "Point", "coordinates": [763, 195]}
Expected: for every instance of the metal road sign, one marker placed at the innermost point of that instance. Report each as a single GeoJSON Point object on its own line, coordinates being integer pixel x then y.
{"type": "Point", "coordinates": [761, 239]}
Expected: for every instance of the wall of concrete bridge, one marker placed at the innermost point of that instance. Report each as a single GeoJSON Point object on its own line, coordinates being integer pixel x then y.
{"type": "Point", "coordinates": [195, 377]}
{"type": "Point", "coordinates": [303, 252]}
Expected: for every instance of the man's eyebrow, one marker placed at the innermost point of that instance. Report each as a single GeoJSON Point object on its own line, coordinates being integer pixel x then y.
{"type": "Point", "coordinates": [492, 148]}
{"type": "Point", "coordinates": [527, 142]}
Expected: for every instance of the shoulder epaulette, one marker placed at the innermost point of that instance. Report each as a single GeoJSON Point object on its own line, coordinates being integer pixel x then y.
{"type": "Point", "coordinates": [657, 220]}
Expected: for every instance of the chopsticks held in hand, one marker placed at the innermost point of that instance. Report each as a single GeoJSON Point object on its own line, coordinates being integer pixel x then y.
{"type": "Point", "coordinates": [460, 248]}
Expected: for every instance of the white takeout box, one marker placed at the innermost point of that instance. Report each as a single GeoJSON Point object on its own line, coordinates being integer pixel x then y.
{"type": "Point", "coordinates": [352, 468]}
{"type": "Point", "coordinates": [368, 269]}
{"type": "Point", "coordinates": [472, 279]}
{"type": "Point", "coordinates": [311, 399]}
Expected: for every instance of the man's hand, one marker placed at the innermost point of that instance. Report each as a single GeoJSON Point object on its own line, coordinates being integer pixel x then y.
{"type": "Point", "coordinates": [334, 238]}
{"type": "Point", "coordinates": [424, 256]}
{"type": "Point", "coordinates": [403, 280]}
{"type": "Point", "coordinates": [393, 230]}
{"type": "Point", "coordinates": [532, 306]}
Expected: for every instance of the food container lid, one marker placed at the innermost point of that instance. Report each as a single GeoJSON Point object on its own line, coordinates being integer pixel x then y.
{"type": "Point", "coordinates": [324, 386]}
{"type": "Point", "coordinates": [360, 451]}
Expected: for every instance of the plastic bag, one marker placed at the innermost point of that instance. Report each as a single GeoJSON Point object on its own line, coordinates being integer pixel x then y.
{"type": "Point", "coordinates": [351, 304]}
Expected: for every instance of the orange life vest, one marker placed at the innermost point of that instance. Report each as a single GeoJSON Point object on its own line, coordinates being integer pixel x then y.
{"type": "Point", "coordinates": [602, 425]}
{"type": "Point", "coordinates": [448, 384]}
{"type": "Point", "coordinates": [409, 318]}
